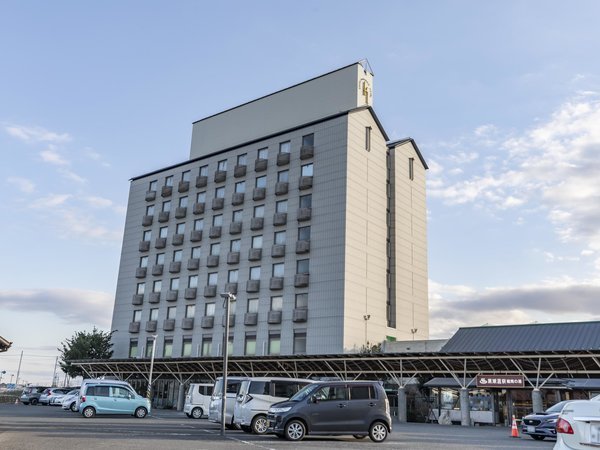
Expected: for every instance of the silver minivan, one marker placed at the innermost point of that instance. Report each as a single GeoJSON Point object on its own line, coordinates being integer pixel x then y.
{"type": "Point", "coordinates": [255, 397]}
{"type": "Point", "coordinates": [214, 409]}
{"type": "Point", "coordinates": [197, 400]}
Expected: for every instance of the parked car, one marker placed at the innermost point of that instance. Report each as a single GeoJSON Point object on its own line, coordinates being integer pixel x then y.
{"type": "Point", "coordinates": [70, 400]}
{"type": "Point", "coordinates": [50, 393]}
{"type": "Point", "coordinates": [31, 394]}
{"type": "Point", "coordinates": [112, 398]}
{"type": "Point", "coordinates": [197, 400]}
{"type": "Point", "coordinates": [578, 425]}
{"type": "Point", "coordinates": [357, 408]}
{"type": "Point", "coordinates": [214, 408]}
{"type": "Point", "coordinates": [255, 397]}
{"type": "Point", "coordinates": [98, 381]}
{"type": "Point", "coordinates": [543, 424]}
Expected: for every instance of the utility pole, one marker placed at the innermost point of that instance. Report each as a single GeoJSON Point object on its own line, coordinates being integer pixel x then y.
{"type": "Point", "coordinates": [19, 369]}
{"type": "Point", "coordinates": [54, 383]}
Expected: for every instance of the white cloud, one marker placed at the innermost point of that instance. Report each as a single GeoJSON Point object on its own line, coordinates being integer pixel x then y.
{"type": "Point", "coordinates": [36, 134]}
{"type": "Point", "coordinates": [25, 185]}
{"type": "Point", "coordinates": [51, 201]}
{"type": "Point", "coordinates": [98, 202]}
{"type": "Point", "coordinates": [72, 176]}
{"type": "Point", "coordinates": [51, 156]}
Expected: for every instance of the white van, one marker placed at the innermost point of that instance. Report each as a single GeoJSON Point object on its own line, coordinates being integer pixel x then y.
{"type": "Point", "coordinates": [98, 381]}
{"type": "Point", "coordinates": [255, 397]}
{"type": "Point", "coordinates": [214, 409]}
{"type": "Point", "coordinates": [197, 400]}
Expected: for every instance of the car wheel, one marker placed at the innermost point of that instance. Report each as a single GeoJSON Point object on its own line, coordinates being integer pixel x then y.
{"type": "Point", "coordinates": [537, 437]}
{"type": "Point", "coordinates": [197, 413]}
{"type": "Point", "coordinates": [295, 430]}
{"type": "Point", "coordinates": [73, 407]}
{"type": "Point", "coordinates": [88, 412]}
{"type": "Point", "coordinates": [260, 424]}
{"type": "Point", "coordinates": [34, 401]}
{"type": "Point", "coordinates": [246, 428]}
{"type": "Point", "coordinates": [141, 412]}
{"type": "Point", "coordinates": [359, 436]}
{"type": "Point", "coordinates": [378, 432]}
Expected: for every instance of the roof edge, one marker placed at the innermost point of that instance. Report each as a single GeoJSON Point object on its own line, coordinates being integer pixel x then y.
{"type": "Point", "coordinates": [412, 141]}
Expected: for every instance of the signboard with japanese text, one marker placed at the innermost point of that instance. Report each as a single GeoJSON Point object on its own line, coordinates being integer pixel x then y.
{"type": "Point", "coordinates": [500, 381]}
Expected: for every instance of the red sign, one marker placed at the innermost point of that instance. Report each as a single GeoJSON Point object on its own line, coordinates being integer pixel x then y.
{"type": "Point", "coordinates": [500, 381]}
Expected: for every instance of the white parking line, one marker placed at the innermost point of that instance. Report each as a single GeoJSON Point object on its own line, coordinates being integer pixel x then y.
{"type": "Point", "coordinates": [249, 443]}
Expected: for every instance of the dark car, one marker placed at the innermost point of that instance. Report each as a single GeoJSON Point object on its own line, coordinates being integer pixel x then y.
{"type": "Point", "coordinates": [542, 425]}
{"type": "Point", "coordinates": [31, 394]}
{"type": "Point", "coordinates": [357, 408]}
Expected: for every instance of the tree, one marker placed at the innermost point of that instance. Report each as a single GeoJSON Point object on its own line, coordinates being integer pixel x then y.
{"type": "Point", "coordinates": [84, 345]}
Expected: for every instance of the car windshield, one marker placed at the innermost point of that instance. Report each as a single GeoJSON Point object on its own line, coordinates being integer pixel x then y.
{"type": "Point", "coordinates": [556, 408]}
{"type": "Point", "coordinates": [303, 393]}
{"type": "Point", "coordinates": [73, 392]}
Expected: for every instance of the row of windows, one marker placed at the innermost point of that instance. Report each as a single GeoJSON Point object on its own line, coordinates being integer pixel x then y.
{"type": "Point", "coordinates": [272, 346]}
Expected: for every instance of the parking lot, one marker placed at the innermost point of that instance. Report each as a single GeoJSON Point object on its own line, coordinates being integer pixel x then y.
{"type": "Point", "coordinates": [36, 427]}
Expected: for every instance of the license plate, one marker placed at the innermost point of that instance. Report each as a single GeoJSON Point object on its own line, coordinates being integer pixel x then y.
{"type": "Point", "coordinates": [530, 429]}
{"type": "Point", "coordinates": [595, 433]}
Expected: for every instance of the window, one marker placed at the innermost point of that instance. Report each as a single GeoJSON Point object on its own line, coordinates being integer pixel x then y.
{"type": "Point", "coordinates": [279, 238]}
{"type": "Point", "coordinates": [203, 171]}
{"type": "Point", "coordinates": [255, 273]}
{"type": "Point", "coordinates": [150, 210]}
{"type": "Point", "coordinates": [169, 180]}
{"type": "Point", "coordinates": [257, 241]}
{"type": "Point", "coordinates": [335, 393]}
{"type": "Point", "coordinates": [274, 343]}
{"type": "Point", "coordinates": [299, 342]}
{"type": "Point", "coordinates": [209, 309]}
{"type": "Point", "coordinates": [362, 392]}
{"type": "Point", "coordinates": [153, 185]}
{"type": "Point", "coordinates": [261, 182]}
{"type": "Point", "coordinates": [177, 255]}
{"type": "Point", "coordinates": [283, 176]}
{"type": "Point", "coordinates": [144, 261]}
{"type": "Point", "coordinates": [149, 345]}
{"type": "Point", "coordinates": [206, 345]}
{"type": "Point", "coordinates": [185, 176]}
{"type": "Point", "coordinates": [241, 159]}
{"type": "Point", "coordinates": [263, 153]}
{"type": "Point", "coordinates": [137, 315]}
{"type": "Point", "coordinates": [302, 266]}
{"type": "Point", "coordinates": [252, 305]}
{"type": "Point", "coordinates": [240, 187]}
{"type": "Point", "coordinates": [281, 206]}
{"type": "Point", "coordinates": [230, 345]}
{"type": "Point", "coordinates": [259, 211]}
{"type": "Point", "coordinates": [234, 245]}
{"type": "Point", "coordinates": [278, 270]}
{"type": "Point", "coordinates": [157, 286]}
{"type": "Point", "coordinates": [190, 310]}
{"type": "Point", "coordinates": [215, 249]}
{"type": "Point", "coordinates": [147, 236]}
{"type": "Point", "coordinates": [212, 279]}
{"type": "Point", "coordinates": [163, 232]}
{"type": "Point", "coordinates": [98, 391]}
{"type": "Point", "coordinates": [198, 224]}
{"type": "Point", "coordinates": [186, 346]}
{"type": "Point", "coordinates": [193, 281]}
{"type": "Point", "coordinates": [201, 197]}
{"type": "Point", "coordinates": [308, 140]}
{"type": "Point", "coordinates": [183, 202]}
{"type": "Point", "coordinates": [180, 229]}
{"type": "Point", "coordinates": [301, 301]}
{"type": "Point", "coordinates": [174, 284]}
{"type": "Point", "coordinates": [276, 303]}
{"type": "Point", "coordinates": [141, 287]}
{"type": "Point", "coordinates": [411, 168]}
{"type": "Point", "coordinates": [250, 344]}
{"type": "Point", "coordinates": [171, 312]}
{"type": "Point", "coordinates": [232, 276]}
{"type": "Point", "coordinates": [154, 314]}
{"type": "Point", "coordinates": [307, 170]}
{"type": "Point", "coordinates": [133, 348]}
{"type": "Point", "coordinates": [222, 165]}
{"type": "Point", "coordinates": [306, 201]}
{"type": "Point", "coordinates": [284, 147]}
{"type": "Point", "coordinates": [368, 139]}
{"type": "Point", "coordinates": [220, 192]}
{"type": "Point", "coordinates": [304, 234]}
{"type": "Point", "coordinates": [217, 220]}
{"type": "Point", "coordinates": [237, 216]}
{"type": "Point", "coordinates": [196, 252]}
{"type": "Point", "coordinates": [160, 259]}
{"type": "Point", "coordinates": [168, 348]}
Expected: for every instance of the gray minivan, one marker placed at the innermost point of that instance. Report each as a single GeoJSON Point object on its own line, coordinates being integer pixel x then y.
{"type": "Point", "coordinates": [358, 408]}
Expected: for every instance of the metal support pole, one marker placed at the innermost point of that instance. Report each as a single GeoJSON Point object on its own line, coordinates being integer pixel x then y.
{"type": "Point", "coordinates": [465, 413]}
{"type": "Point", "coordinates": [402, 414]}
{"type": "Point", "coordinates": [19, 369]}
{"type": "Point", "coordinates": [149, 390]}
{"type": "Point", "coordinates": [536, 401]}
{"type": "Point", "coordinates": [54, 383]}
{"type": "Point", "coordinates": [228, 297]}
{"type": "Point", "coordinates": [181, 397]}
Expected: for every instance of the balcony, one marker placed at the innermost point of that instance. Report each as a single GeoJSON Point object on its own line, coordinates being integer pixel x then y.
{"type": "Point", "coordinates": [169, 324]}
{"type": "Point", "coordinates": [274, 317]}
{"type": "Point", "coordinates": [304, 214]}
{"type": "Point", "coordinates": [196, 235]}
{"type": "Point", "coordinates": [180, 212]}
{"type": "Point", "coordinates": [137, 299]}
{"type": "Point", "coordinates": [193, 264]}
{"type": "Point", "coordinates": [151, 326]}
{"type": "Point", "coordinates": [150, 196]}
{"type": "Point", "coordinates": [210, 290]}
{"type": "Point", "coordinates": [237, 198]}
{"type": "Point", "coordinates": [214, 232]}
{"type": "Point", "coordinates": [218, 203]}
{"type": "Point", "coordinates": [160, 243]}
{"type": "Point", "coordinates": [276, 283]}
{"type": "Point", "coordinates": [199, 208]}
{"type": "Point", "coordinates": [259, 193]}
{"type": "Point", "coordinates": [178, 239]}
{"type": "Point", "coordinates": [154, 297]}
{"type": "Point", "coordinates": [301, 280]}
{"type": "Point", "coordinates": [201, 181]}
{"type": "Point", "coordinates": [278, 250]}
{"type": "Point", "coordinates": [252, 285]}
{"type": "Point", "coordinates": [157, 269]}
{"type": "Point", "coordinates": [220, 176]}
{"type": "Point", "coordinates": [207, 322]}
{"type": "Point", "coordinates": [166, 191]}
{"type": "Point", "coordinates": [282, 187]}
{"type": "Point", "coordinates": [233, 258]}
{"type": "Point", "coordinates": [260, 165]}
{"type": "Point", "coordinates": [172, 295]}
{"type": "Point", "coordinates": [140, 272]}
{"type": "Point", "coordinates": [231, 320]}
{"type": "Point", "coordinates": [255, 254]}
{"type": "Point", "coordinates": [183, 186]}
{"type": "Point", "coordinates": [305, 183]}
{"type": "Point", "coordinates": [144, 246]}
{"type": "Point", "coordinates": [163, 216]}
{"type": "Point", "coordinates": [279, 219]}
{"type": "Point", "coordinates": [307, 152]}
{"type": "Point", "coordinates": [235, 227]}
{"type": "Point", "coordinates": [302, 247]}
{"type": "Point", "coordinates": [239, 171]}
{"type": "Point", "coordinates": [175, 267]}
{"type": "Point", "coordinates": [257, 223]}
{"type": "Point", "coordinates": [134, 327]}
{"type": "Point", "coordinates": [283, 159]}
{"type": "Point", "coordinates": [300, 315]}
{"type": "Point", "coordinates": [231, 287]}
{"type": "Point", "coordinates": [250, 318]}
{"type": "Point", "coordinates": [147, 220]}
{"type": "Point", "coordinates": [190, 293]}
{"type": "Point", "coordinates": [212, 261]}
{"type": "Point", "coordinates": [187, 323]}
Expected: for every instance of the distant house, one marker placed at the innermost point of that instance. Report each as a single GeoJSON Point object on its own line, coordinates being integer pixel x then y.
{"type": "Point", "coordinates": [4, 344]}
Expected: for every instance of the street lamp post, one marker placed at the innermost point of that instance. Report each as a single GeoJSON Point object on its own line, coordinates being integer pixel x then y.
{"type": "Point", "coordinates": [228, 297]}
{"type": "Point", "coordinates": [149, 390]}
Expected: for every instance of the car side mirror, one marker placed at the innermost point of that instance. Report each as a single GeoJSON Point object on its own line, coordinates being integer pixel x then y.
{"type": "Point", "coordinates": [129, 396]}
{"type": "Point", "coordinates": [314, 399]}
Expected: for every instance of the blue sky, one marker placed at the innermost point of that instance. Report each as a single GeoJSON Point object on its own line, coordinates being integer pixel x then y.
{"type": "Point", "coordinates": [502, 97]}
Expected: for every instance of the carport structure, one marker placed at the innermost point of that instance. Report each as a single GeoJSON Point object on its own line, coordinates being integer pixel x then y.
{"type": "Point", "coordinates": [538, 352]}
